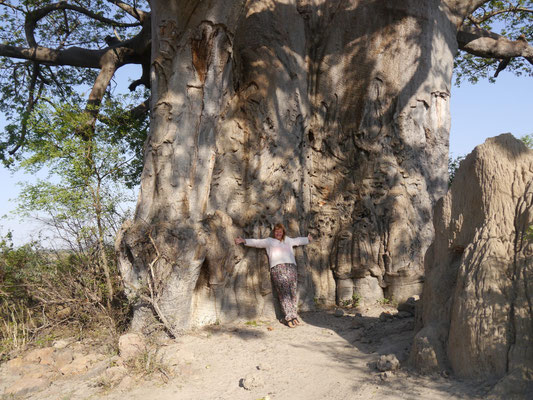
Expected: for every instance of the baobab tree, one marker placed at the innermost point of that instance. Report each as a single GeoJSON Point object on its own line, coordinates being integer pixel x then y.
{"type": "Point", "coordinates": [329, 116]}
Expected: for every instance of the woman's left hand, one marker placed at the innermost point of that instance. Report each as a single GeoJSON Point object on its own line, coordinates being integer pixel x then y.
{"type": "Point", "coordinates": [310, 238]}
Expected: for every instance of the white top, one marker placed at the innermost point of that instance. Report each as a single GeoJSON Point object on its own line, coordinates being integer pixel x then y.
{"type": "Point", "coordinates": [278, 252]}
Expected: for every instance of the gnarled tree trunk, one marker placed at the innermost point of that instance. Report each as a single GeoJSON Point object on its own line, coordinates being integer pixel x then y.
{"type": "Point", "coordinates": [329, 116]}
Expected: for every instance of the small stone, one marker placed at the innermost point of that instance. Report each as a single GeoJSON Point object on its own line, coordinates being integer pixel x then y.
{"type": "Point", "coordinates": [339, 312]}
{"type": "Point", "coordinates": [384, 376]}
{"type": "Point", "coordinates": [387, 363]}
{"type": "Point", "coordinates": [252, 381]}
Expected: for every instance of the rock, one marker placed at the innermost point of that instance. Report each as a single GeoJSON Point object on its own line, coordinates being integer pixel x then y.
{"type": "Point", "coordinates": [339, 312]}
{"type": "Point", "coordinates": [424, 352]}
{"type": "Point", "coordinates": [516, 385]}
{"type": "Point", "coordinates": [63, 357]}
{"type": "Point", "coordinates": [409, 305]}
{"type": "Point", "coordinates": [61, 344]}
{"type": "Point", "coordinates": [26, 385]}
{"type": "Point", "coordinates": [38, 371]}
{"type": "Point", "coordinates": [116, 374]}
{"type": "Point", "coordinates": [42, 356]}
{"type": "Point", "coordinates": [385, 375]}
{"type": "Point", "coordinates": [15, 364]}
{"type": "Point", "coordinates": [130, 345]}
{"type": "Point", "coordinates": [252, 381]}
{"type": "Point", "coordinates": [384, 316]}
{"type": "Point", "coordinates": [79, 365]}
{"type": "Point", "coordinates": [387, 363]}
{"type": "Point", "coordinates": [404, 314]}
{"type": "Point", "coordinates": [368, 289]}
{"type": "Point", "coordinates": [475, 313]}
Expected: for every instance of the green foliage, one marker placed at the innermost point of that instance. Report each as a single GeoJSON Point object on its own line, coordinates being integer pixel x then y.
{"type": "Point", "coordinates": [25, 84]}
{"type": "Point", "coordinates": [506, 18]}
{"type": "Point", "coordinates": [87, 178]}
{"type": "Point", "coordinates": [353, 302]}
{"type": "Point", "coordinates": [385, 301]}
{"type": "Point", "coordinates": [528, 140]}
{"type": "Point", "coordinates": [529, 233]}
{"type": "Point", "coordinates": [453, 166]}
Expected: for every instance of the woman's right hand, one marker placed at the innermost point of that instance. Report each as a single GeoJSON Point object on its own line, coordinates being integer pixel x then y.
{"type": "Point", "coordinates": [239, 240]}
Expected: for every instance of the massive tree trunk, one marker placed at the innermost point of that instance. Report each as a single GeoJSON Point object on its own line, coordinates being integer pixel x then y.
{"type": "Point", "coordinates": [329, 116]}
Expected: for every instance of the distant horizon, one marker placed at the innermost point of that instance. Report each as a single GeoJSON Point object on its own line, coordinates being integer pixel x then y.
{"type": "Point", "coordinates": [478, 111]}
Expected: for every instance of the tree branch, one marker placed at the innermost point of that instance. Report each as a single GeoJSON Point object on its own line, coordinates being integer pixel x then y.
{"type": "Point", "coordinates": [133, 11]}
{"type": "Point", "coordinates": [34, 16]}
{"type": "Point", "coordinates": [72, 56]}
{"type": "Point", "coordinates": [29, 108]}
{"type": "Point", "coordinates": [463, 8]}
{"type": "Point", "coordinates": [487, 44]}
{"type": "Point", "coordinates": [489, 15]}
{"type": "Point", "coordinates": [3, 3]}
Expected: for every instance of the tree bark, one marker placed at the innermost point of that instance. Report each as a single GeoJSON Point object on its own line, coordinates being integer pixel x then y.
{"type": "Point", "coordinates": [329, 116]}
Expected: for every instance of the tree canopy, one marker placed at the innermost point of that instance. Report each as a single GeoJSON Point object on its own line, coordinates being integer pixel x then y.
{"type": "Point", "coordinates": [69, 51]}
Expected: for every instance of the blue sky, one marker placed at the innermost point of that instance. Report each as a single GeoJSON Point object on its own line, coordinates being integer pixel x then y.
{"type": "Point", "coordinates": [478, 111]}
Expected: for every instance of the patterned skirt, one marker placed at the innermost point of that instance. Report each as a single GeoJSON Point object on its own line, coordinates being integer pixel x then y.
{"type": "Point", "coordinates": [284, 277]}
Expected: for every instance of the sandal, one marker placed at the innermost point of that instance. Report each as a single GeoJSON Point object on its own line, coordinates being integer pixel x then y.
{"type": "Point", "coordinates": [291, 324]}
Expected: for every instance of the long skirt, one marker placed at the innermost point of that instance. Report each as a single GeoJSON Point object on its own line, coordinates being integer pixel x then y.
{"type": "Point", "coordinates": [284, 277]}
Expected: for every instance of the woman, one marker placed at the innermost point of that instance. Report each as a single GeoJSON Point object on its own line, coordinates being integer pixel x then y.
{"type": "Point", "coordinates": [282, 267]}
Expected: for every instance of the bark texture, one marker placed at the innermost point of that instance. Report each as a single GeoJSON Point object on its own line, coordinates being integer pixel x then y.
{"type": "Point", "coordinates": [329, 116]}
{"type": "Point", "coordinates": [477, 315]}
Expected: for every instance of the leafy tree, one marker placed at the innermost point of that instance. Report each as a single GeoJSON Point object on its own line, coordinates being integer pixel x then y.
{"type": "Point", "coordinates": [82, 197]}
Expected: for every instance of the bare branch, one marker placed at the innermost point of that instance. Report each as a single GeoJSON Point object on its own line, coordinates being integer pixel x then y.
{"type": "Point", "coordinates": [487, 44]}
{"type": "Point", "coordinates": [489, 15]}
{"type": "Point", "coordinates": [72, 56]}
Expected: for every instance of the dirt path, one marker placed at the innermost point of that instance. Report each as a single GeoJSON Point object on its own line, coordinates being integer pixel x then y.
{"type": "Point", "coordinates": [329, 357]}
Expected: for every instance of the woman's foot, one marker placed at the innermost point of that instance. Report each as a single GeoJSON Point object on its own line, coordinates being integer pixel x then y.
{"type": "Point", "coordinates": [291, 323]}
{"type": "Point", "coordinates": [296, 321]}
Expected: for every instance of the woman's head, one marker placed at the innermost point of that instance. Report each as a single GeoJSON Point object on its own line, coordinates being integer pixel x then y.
{"type": "Point", "coordinates": [279, 232]}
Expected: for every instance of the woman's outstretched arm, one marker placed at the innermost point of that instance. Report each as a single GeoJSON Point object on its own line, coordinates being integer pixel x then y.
{"type": "Point", "coordinates": [260, 243]}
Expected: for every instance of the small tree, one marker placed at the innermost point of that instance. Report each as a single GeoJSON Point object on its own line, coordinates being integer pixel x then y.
{"type": "Point", "coordinates": [453, 166]}
{"type": "Point", "coordinates": [87, 183]}
{"type": "Point", "coordinates": [528, 140]}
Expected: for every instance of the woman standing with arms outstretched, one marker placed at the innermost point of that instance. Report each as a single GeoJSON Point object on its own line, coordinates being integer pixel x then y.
{"type": "Point", "coordinates": [282, 268]}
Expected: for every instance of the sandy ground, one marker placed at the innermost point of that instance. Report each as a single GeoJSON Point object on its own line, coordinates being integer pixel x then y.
{"type": "Point", "coordinates": [328, 357]}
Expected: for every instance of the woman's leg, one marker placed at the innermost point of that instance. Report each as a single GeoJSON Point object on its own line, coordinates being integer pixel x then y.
{"type": "Point", "coordinates": [285, 277]}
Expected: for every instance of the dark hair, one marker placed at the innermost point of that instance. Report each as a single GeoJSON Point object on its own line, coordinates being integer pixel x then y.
{"type": "Point", "coordinates": [282, 227]}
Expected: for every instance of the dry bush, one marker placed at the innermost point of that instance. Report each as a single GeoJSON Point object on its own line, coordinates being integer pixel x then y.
{"type": "Point", "coordinates": [45, 295]}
